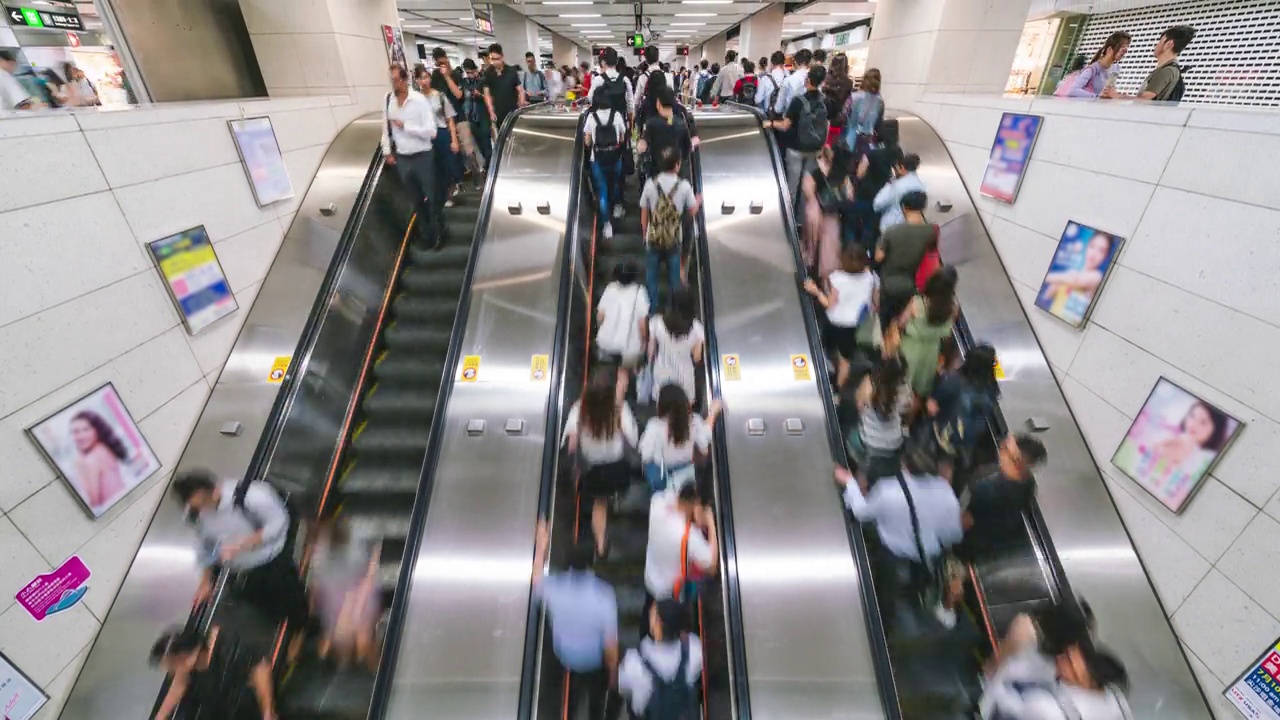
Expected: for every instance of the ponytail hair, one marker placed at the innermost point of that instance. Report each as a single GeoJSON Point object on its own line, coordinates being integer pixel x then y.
{"type": "Point", "coordinates": [1114, 42]}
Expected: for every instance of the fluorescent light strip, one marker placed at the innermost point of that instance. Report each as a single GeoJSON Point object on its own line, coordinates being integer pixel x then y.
{"type": "Point", "coordinates": [590, 25]}
{"type": "Point", "coordinates": [583, 15]}
{"type": "Point", "coordinates": [687, 24]}
{"type": "Point", "coordinates": [567, 2]}
{"type": "Point", "coordinates": [705, 2]}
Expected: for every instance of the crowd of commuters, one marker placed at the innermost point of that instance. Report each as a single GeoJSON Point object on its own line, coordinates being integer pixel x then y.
{"type": "Point", "coordinates": [1096, 78]}
{"type": "Point", "coordinates": [29, 88]}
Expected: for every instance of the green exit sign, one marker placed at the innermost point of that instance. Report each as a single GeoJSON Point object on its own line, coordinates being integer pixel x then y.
{"type": "Point", "coordinates": [637, 40]}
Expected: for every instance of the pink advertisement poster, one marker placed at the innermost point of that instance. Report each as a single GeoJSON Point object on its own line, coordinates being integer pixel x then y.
{"type": "Point", "coordinates": [54, 592]}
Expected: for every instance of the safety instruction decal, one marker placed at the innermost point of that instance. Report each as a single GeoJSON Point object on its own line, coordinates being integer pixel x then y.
{"type": "Point", "coordinates": [470, 368]}
{"type": "Point", "coordinates": [279, 367]}
{"type": "Point", "coordinates": [731, 368]}
{"type": "Point", "coordinates": [1000, 371]}
{"type": "Point", "coordinates": [800, 367]}
{"type": "Point", "coordinates": [538, 368]}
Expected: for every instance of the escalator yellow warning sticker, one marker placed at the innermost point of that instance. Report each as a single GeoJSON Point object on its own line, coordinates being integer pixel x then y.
{"type": "Point", "coordinates": [279, 367]}
{"type": "Point", "coordinates": [732, 368]}
{"type": "Point", "coordinates": [800, 367]}
{"type": "Point", "coordinates": [538, 368]}
{"type": "Point", "coordinates": [470, 368]}
{"type": "Point", "coordinates": [1000, 371]}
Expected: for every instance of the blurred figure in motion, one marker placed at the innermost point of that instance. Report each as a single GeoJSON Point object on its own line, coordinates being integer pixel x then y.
{"type": "Point", "coordinates": [1052, 669]}
{"type": "Point", "coordinates": [344, 584]}
{"type": "Point", "coordinates": [683, 545]}
{"type": "Point", "coordinates": [883, 400]}
{"type": "Point", "coordinates": [12, 95]}
{"type": "Point", "coordinates": [674, 439]}
{"type": "Point", "coordinates": [993, 516]}
{"type": "Point", "coordinates": [901, 250]}
{"type": "Point", "coordinates": [888, 201]}
{"type": "Point", "coordinates": [659, 679]}
{"type": "Point", "coordinates": [666, 200]}
{"type": "Point", "coordinates": [928, 320]}
{"type": "Point", "coordinates": [86, 93]}
{"type": "Point", "coordinates": [599, 429]}
{"type": "Point", "coordinates": [850, 302]}
{"type": "Point", "coordinates": [961, 406]}
{"type": "Point", "coordinates": [213, 672]}
{"type": "Point", "coordinates": [583, 612]}
{"type": "Point", "coordinates": [245, 530]}
{"type": "Point", "coordinates": [409, 131]}
{"type": "Point", "coordinates": [677, 341]}
{"type": "Point", "coordinates": [622, 315]}
{"type": "Point", "coordinates": [477, 118]}
{"type": "Point", "coordinates": [605, 133]}
{"type": "Point", "coordinates": [825, 189]}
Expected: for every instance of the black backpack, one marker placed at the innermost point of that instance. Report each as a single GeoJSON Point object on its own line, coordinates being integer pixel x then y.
{"type": "Point", "coordinates": [607, 144]}
{"type": "Point", "coordinates": [1180, 87]}
{"type": "Point", "coordinates": [672, 699]}
{"type": "Point", "coordinates": [811, 128]}
{"type": "Point", "coordinates": [615, 88]}
{"type": "Point", "coordinates": [748, 94]}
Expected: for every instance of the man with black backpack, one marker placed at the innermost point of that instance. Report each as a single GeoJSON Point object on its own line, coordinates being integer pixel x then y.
{"type": "Point", "coordinates": [644, 103]}
{"type": "Point", "coordinates": [1165, 83]}
{"type": "Point", "coordinates": [245, 530]}
{"type": "Point", "coordinates": [659, 679]}
{"type": "Point", "coordinates": [806, 123]}
{"type": "Point", "coordinates": [617, 88]}
{"type": "Point", "coordinates": [769, 86]}
{"type": "Point", "coordinates": [605, 133]}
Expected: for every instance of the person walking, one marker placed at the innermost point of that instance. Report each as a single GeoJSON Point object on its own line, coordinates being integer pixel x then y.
{"type": "Point", "coordinates": [445, 146]}
{"type": "Point", "coordinates": [212, 670]}
{"type": "Point", "coordinates": [664, 203]}
{"type": "Point", "coordinates": [503, 91]}
{"type": "Point", "coordinates": [408, 132]}
{"type": "Point", "coordinates": [837, 88]}
{"type": "Point", "coordinates": [533, 82]}
{"type": "Point", "coordinates": [599, 429]}
{"type": "Point", "coordinates": [806, 122]}
{"type": "Point", "coordinates": [888, 202]}
{"type": "Point", "coordinates": [826, 189]}
{"type": "Point", "coordinates": [12, 95]}
{"type": "Point", "coordinates": [450, 81]}
{"type": "Point", "coordinates": [770, 86]}
{"type": "Point", "coordinates": [604, 132]}
{"type": "Point", "coordinates": [477, 114]}
{"type": "Point", "coordinates": [727, 80]}
{"type": "Point", "coordinates": [659, 678]}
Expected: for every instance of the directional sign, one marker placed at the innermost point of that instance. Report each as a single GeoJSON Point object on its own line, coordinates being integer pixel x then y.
{"type": "Point", "coordinates": [36, 18]}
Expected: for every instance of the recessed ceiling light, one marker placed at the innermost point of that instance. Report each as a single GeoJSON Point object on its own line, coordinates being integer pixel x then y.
{"type": "Point", "coordinates": [705, 2]}
{"type": "Point", "coordinates": [584, 15]}
{"type": "Point", "coordinates": [590, 24]}
{"type": "Point", "coordinates": [687, 24]}
{"type": "Point", "coordinates": [567, 2]}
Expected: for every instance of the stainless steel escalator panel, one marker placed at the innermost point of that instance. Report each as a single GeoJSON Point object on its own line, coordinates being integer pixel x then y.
{"type": "Point", "coordinates": [463, 636]}
{"type": "Point", "coordinates": [1095, 551]}
{"type": "Point", "coordinates": [116, 681]}
{"type": "Point", "coordinates": [808, 653]}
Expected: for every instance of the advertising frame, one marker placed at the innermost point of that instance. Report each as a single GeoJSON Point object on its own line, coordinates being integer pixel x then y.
{"type": "Point", "coordinates": [138, 442]}
{"type": "Point", "coordinates": [1208, 467]}
{"type": "Point", "coordinates": [277, 165]}
{"type": "Point", "coordinates": [1113, 256]}
{"type": "Point", "coordinates": [394, 40]}
{"type": "Point", "coordinates": [168, 284]}
{"type": "Point", "coordinates": [8, 668]}
{"type": "Point", "coordinates": [997, 144]}
{"type": "Point", "coordinates": [1235, 692]}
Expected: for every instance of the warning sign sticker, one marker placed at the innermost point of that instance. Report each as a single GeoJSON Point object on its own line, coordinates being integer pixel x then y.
{"type": "Point", "coordinates": [800, 367]}
{"type": "Point", "coordinates": [278, 368]}
{"type": "Point", "coordinates": [731, 368]}
{"type": "Point", "coordinates": [470, 368]}
{"type": "Point", "coordinates": [1000, 371]}
{"type": "Point", "coordinates": [538, 368]}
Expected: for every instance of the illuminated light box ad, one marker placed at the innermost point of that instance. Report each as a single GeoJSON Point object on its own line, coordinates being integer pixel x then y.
{"type": "Point", "coordinates": [1175, 441]}
{"type": "Point", "coordinates": [191, 271]}
{"type": "Point", "coordinates": [262, 161]}
{"type": "Point", "coordinates": [97, 448]}
{"type": "Point", "coordinates": [1077, 272]}
{"type": "Point", "coordinates": [1010, 153]}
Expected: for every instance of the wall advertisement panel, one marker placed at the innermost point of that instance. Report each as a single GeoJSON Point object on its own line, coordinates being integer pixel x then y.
{"type": "Point", "coordinates": [196, 283]}
{"type": "Point", "coordinates": [1010, 153]}
{"type": "Point", "coordinates": [1257, 693]}
{"type": "Point", "coordinates": [20, 699]}
{"type": "Point", "coordinates": [261, 158]}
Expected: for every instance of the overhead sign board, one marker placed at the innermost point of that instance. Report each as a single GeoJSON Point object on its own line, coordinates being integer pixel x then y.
{"type": "Point", "coordinates": [65, 18]}
{"type": "Point", "coordinates": [484, 23]}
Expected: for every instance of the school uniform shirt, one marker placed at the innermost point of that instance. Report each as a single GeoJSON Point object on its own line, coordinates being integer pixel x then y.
{"type": "Point", "coordinates": [663, 564]}
{"type": "Point", "coordinates": [597, 118]}
{"type": "Point", "coordinates": [854, 292]}
{"type": "Point", "coordinates": [441, 110]}
{"type": "Point", "coordinates": [1026, 686]}
{"type": "Point", "coordinates": [792, 88]}
{"type": "Point", "coordinates": [419, 124]}
{"type": "Point", "coordinates": [888, 201]}
{"type": "Point", "coordinates": [601, 450]}
{"type": "Point", "coordinates": [597, 82]}
{"type": "Point", "coordinates": [728, 78]}
{"type": "Point", "coordinates": [673, 364]}
{"type": "Point", "coordinates": [12, 94]}
{"type": "Point", "coordinates": [636, 684]}
{"type": "Point", "coordinates": [937, 510]}
{"type": "Point", "coordinates": [583, 612]}
{"type": "Point", "coordinates": [228, 523]}
{"type": "Point", "coordinates": [766, 84]}
{"type": "Point", "coordinates": [656, 446]}
{"type": "Point", "coordinates": [624, 306]}
{"type": "Point", "coordinates": [683, 195]}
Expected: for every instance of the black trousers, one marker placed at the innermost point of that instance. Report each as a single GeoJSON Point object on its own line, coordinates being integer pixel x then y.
{"type": "Point", "coordinates": [593, 685]}
{"type": "Point", "coordinates": [418, 171]}
{"type": "Point", "coordinates": [275, 588]}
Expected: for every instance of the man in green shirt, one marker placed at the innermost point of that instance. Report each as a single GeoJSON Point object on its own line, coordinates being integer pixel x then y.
{"type": "Point", "coordinates": [1162, 81]}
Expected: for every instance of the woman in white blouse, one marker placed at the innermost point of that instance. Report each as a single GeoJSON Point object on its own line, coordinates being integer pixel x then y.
{"type": "Point", "coordinates": [598, 429]}
{"type": "Point", "coordinates": [676, 341]}
{"type": "Point", "coordinates": [674, 439]}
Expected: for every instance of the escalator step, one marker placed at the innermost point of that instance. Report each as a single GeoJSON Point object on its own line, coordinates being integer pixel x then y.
{"type": "Point", "coordinates": [395, 440]}
{"type": "Point", "coordinates": [404, 369]}
{"type": "Point", "coordinates": [383, 400]}
{"type": "Point", "coordinates": [426, 281]}
{"type": "Point", "coordinates": [413, 335]}
{"type": "Point", "coordinates": [393, 523]}
{"type": "Point", "coordinates": [452, 255]}
{"type": "Point", "coordinates": [413, 308]}
{"type": "Point", "coordinates": [367, 478]}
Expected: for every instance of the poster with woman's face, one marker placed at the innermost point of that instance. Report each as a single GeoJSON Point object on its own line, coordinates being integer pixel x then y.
{"type": "Point", "coordinates": [1076, 273]}
{"type": "Point", "coordinates": [97, 448]}
{"type": "Point", "coordinates": [1173, 443]}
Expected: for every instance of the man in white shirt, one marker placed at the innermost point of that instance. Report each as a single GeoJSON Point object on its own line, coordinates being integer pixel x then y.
{"type": "Point", "coordinates": [408, 130]}
{"type": "Point", "coordinates": [605, 132]}
{"type": "Point", "coordinates": [672, 514]}
{"type": "Point", "coordinates": [730, 74]}
{"type": "Point", "coordinates": [12, 95]}
{"type": "Point", "coordinates": [793, 87]}
{"type": "Point", "coordinates": [771, 81]}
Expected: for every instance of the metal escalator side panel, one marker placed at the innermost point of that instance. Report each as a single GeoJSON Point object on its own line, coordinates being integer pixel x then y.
{"type": "Point", "coordinates": [1078, 527]}
{"type": "Point", "coordinates": [456, 645]}
{"type": "Point", "coordinates": [811, 650]}
{"type": "Point", "coordinates": [157, 589]}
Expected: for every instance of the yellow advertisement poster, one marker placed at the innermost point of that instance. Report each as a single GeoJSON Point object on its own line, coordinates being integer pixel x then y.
{"type": "Point", "coordinates": [279, 367]}
{"type": "Point", "coordinates": [731, 367]}
{"type": "Point", "coordinates": [800, 367]}
{"type": "Point", "coordinates": [538, 368]}
{"type": "Point", "coordinates": [470, 368]}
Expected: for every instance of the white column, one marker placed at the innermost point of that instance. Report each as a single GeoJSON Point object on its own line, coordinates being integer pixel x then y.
{"type": "Point", "coordinates": [563, 51]}
{"type": "Point", "coordinates": [511, 31]}
{"type": "Point", "coordinates": [531, 35]}
{"type": "Point", "coordinates": [963, 46]}
{"type": "Point", "coordinates": [713, 49]}
{"type": "Point", "coordinates": [762, 33]}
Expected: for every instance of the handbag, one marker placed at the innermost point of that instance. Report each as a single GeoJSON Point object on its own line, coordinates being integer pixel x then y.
{"type": "Point", "coordinates": [644, 384]}
{"type": "Point", "coordinates": [931, 261]}
{"type": "Point", "coordinates": [926, 581]}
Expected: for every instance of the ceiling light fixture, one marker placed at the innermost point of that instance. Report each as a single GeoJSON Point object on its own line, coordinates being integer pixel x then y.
{"type": "Point", "coordinates": [687, 24]}
{"type": "Point", "coordinates": [590, 24]}
{"type": "Point", "coordinates": [583, 15]}
{"type": "Point", "coordinates": [567, 2]}
{"type": "Point", "coordinates": [705, 2]}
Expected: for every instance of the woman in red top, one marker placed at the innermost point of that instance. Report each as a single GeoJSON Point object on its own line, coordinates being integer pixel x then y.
{"type": "Point", "coordinates": [836, 90]}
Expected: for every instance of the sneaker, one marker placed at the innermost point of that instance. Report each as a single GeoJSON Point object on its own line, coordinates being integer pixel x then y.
{"type": "Point", "coordinates": [456, 189]}
{"type": "Point", "coordinates": [608, 230]}
{"type": "Point", "coordinates": [619, 212]}
{"type": "Point", "coordinates": [449, 203]}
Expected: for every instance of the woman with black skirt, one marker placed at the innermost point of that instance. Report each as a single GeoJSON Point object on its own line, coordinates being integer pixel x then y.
{"type": "Point", "coordinates": [598, 429]}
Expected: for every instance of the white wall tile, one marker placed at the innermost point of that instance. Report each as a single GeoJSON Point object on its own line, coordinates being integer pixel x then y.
{"type": "Point", "coordinates": [84, 242]}
{"type": "Point", "coordinates": [364, 60]}
{"type": "Point", "coordinates": [1053, 194]}
{"type": "Point", "coordinates": [1139, 112]}
{"type": "Point", "coordinates": [60, 688]}
{"type": "Point", "coordinates": [219, 198]}
{"type": "Point", "coordinates": [1128, 149]}
{"type": "Point", "coordinates": [160, 113]}
{"type": "Point", "coordinates": [1223, 626]}
{"type": "Point", "coordinates": [1250, 562]}
{"type": "Point", "coordinates": [112, 550]}
{"type": "Point", "coordinates": [953, 54]}
{"type": "Point", "coordinates": [1242, 239]}
{"type": "Point", "coordinates": [973, 126]}
{"type": "Point", "coordinates": [1026, 254]}
{"type": "Point", "coordinates": [278, 59]}
{"type": "Point", "coordinates": [40, 353]}
{"type": "Point", "coordinates": [1213, 518]}
{"type": "Point", "coordinates": [1196, 167]}
{"type": "Point", "coordinates": [1059, 340]}
{"type": "Point", "coordinates": [1240, 119]}
{"type": "Point", "coordinates": [212, 346]}
{"type": "Point", "coordinates": [321, 57]}
{"type": "Point", "coordinates": [302, 128]}
{"type": "Point", "coordinates": [992, 54]}
{"type": "Point", "coordinates": [66, 166]}
{"type": "Point", "coordinates": [273, 16]}
{"type": "Point", "coordinates": [246, 257]}
{"type": "Point", "coordinates": [1174, 567]}
{"type": "Point", "coordinates": [44, 124]}
{"type": "Point", "coordinates": [20, 563]}
{"type": "Point", "coordinates": [137, 154]}
{"type": "Point", "coordinates": [1212, 686]}
{"type": "Point", "coordinates": [43, 649]}
{"type": "Point", "coordinates": [364, 18]}
{"type": "Point", "coordinates": [168, 428]}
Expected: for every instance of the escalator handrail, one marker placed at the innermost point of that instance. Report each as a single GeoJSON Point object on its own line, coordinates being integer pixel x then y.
{"type": "Point", "coordinates": [720, 464]}
{"type": "Point", "coordinates": [202, 615]}
{"type": "Point", "coordinates": [380, 701]}
{"type": "Point", "coordinates": [555, 403]}
{"type": "Point", "coordinates": [871, 607]}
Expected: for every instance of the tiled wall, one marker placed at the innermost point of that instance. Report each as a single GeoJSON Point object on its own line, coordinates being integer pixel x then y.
{"type": "Point", "coordinates": [84, 305]}
{"type": "Point", "coordinates": [1194, 298]}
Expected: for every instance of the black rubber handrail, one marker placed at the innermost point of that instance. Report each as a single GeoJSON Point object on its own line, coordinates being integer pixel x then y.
{"type": "Point", "coordinates": [203, 614]}
{"type": "Point", "coordinates": [380, 702]}
{"type": "Point", "coordinates": [870, 607]}
{"type": "Point", "coordinates": [555, 402]}
{"type": "Point", "coordinates": [720, 450]}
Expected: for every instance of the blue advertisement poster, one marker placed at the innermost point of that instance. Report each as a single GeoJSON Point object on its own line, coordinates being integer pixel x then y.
{"type": "Point", "coordinates": [1010, 154]}
{"type": "Point", "coordinates": [1257, 694]}
{"type": "Point", "coordinates": [1079, 266]}
{"type": "Point", "coordinates": [191, 271]}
